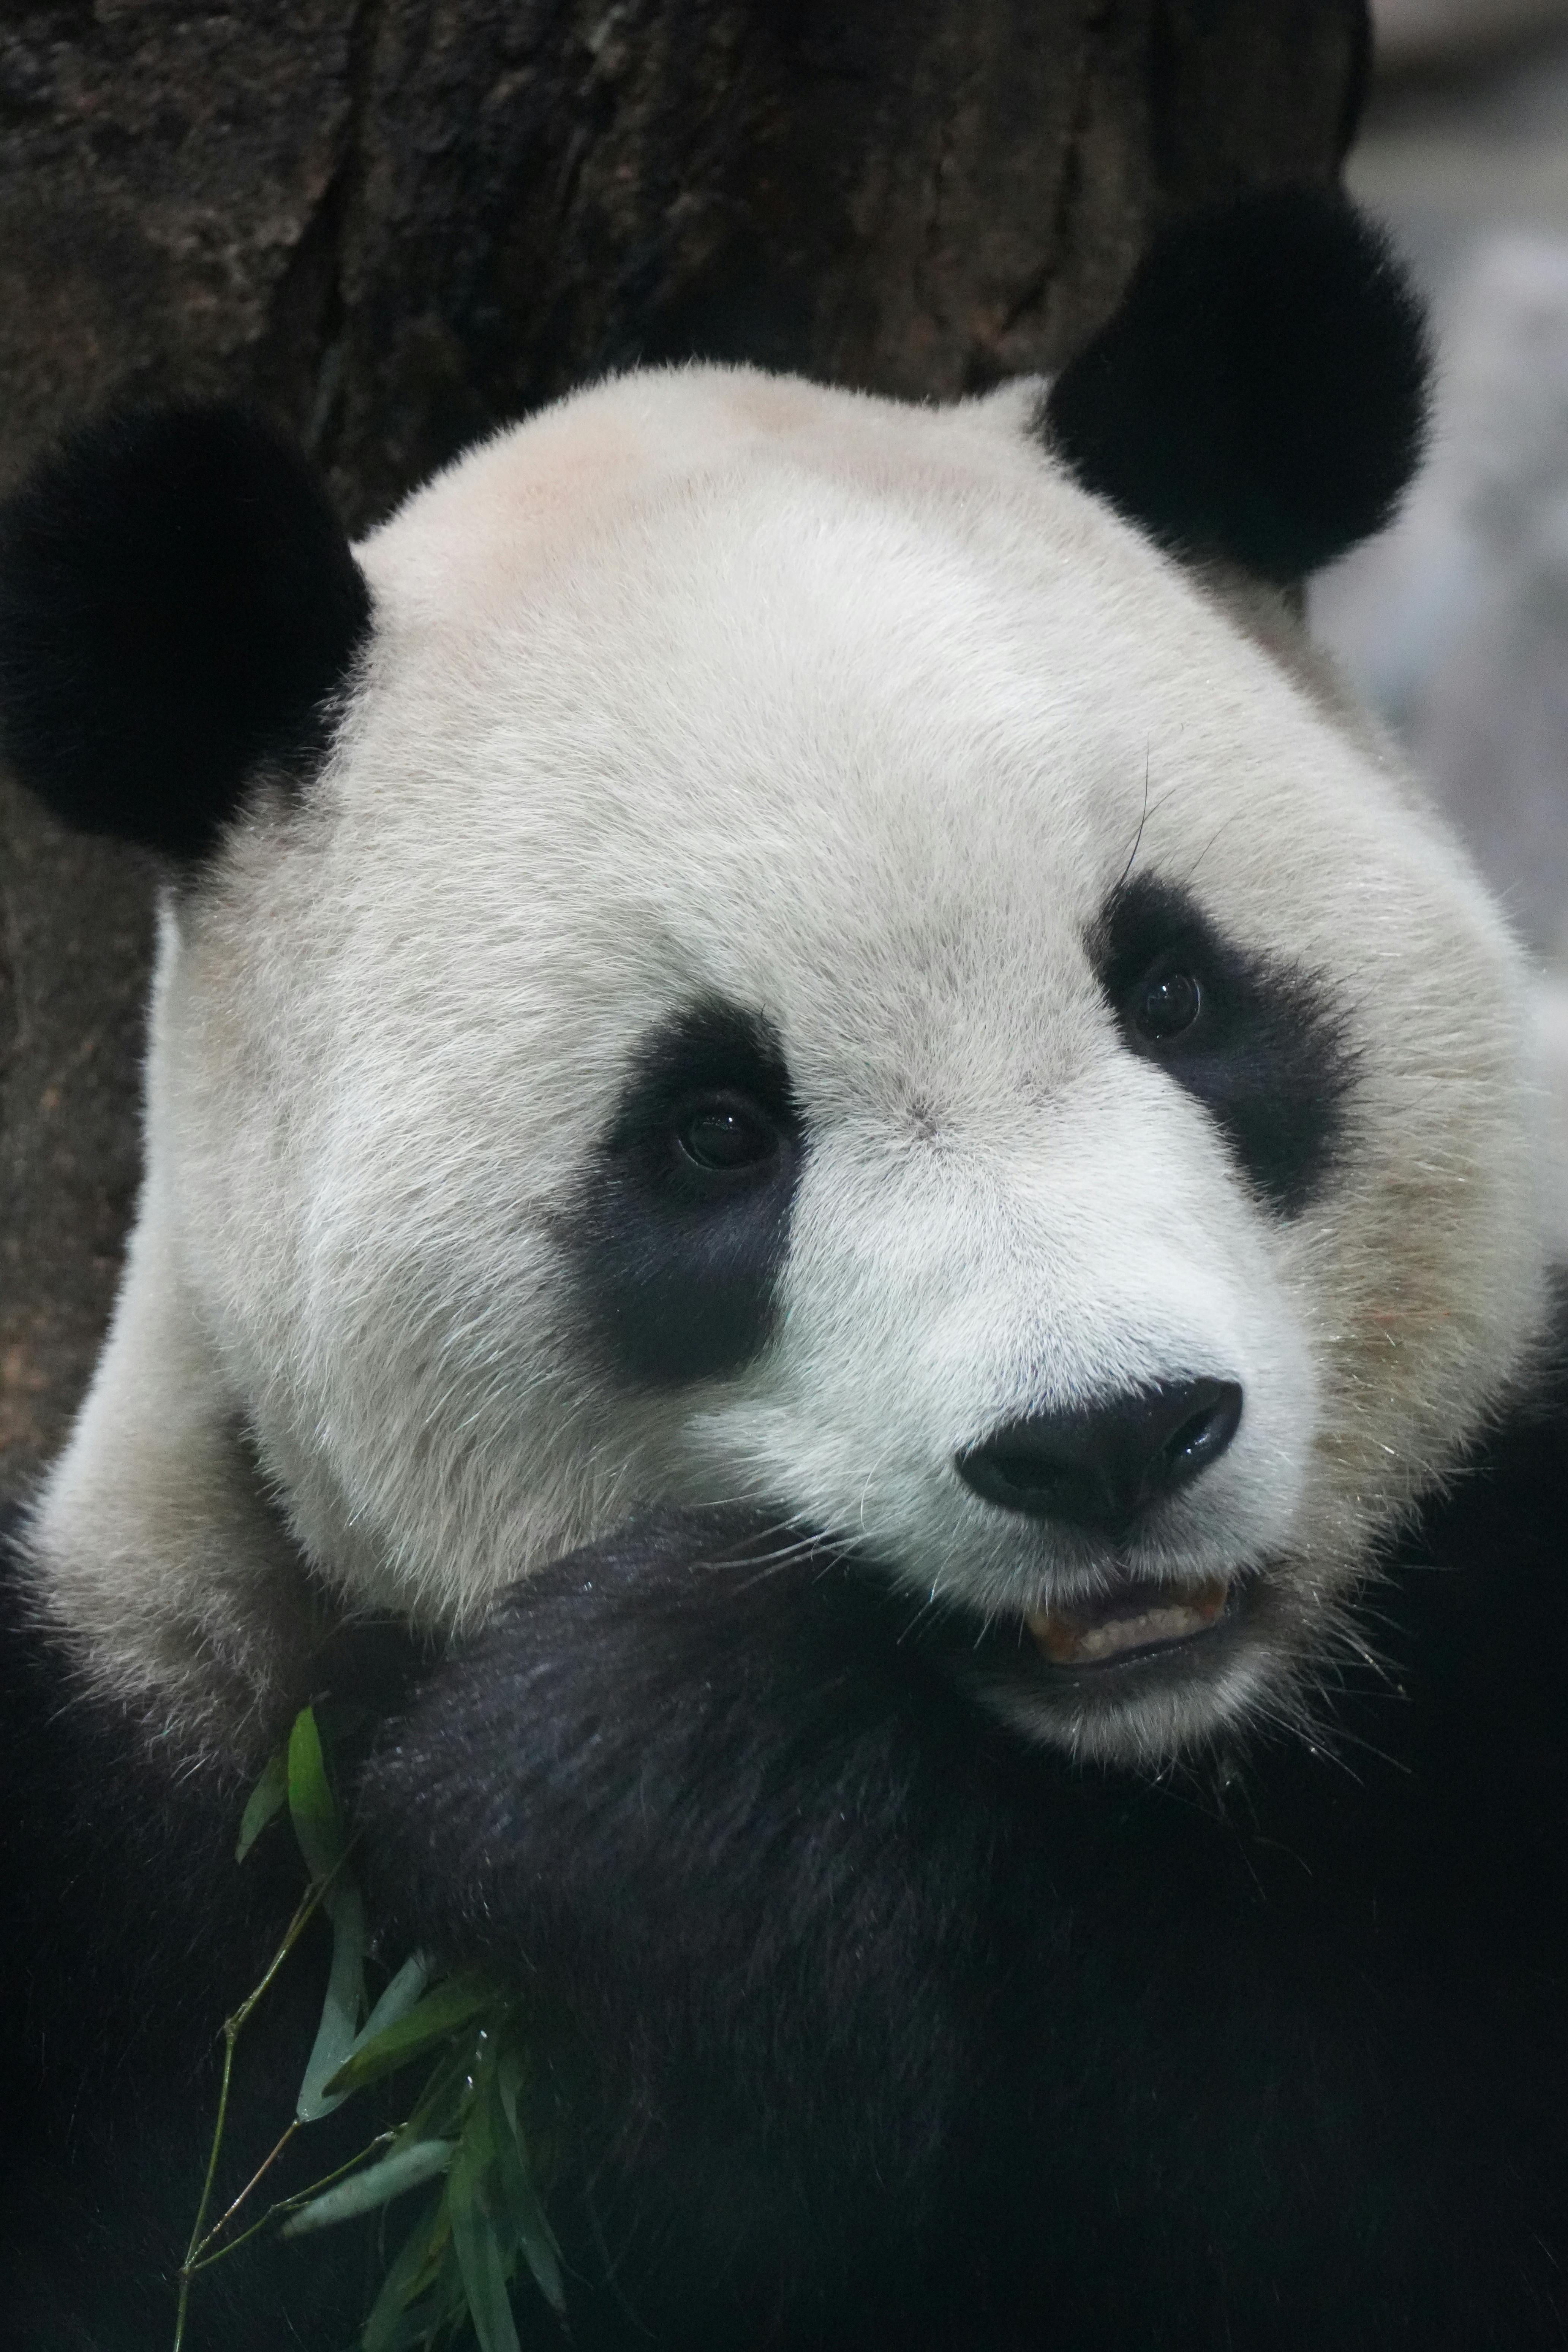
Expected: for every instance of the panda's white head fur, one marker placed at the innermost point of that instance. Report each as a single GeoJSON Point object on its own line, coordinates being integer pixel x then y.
{"type": "Point", "coordinates": [820, 968]}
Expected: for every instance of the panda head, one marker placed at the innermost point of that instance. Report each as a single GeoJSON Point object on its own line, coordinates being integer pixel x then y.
{"type": "Point", "coordinates": [759, 944]}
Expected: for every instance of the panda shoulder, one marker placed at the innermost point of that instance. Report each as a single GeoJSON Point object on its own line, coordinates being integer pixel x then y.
{"type": "Point", "coordinates": [1504, 1509]}
{"type": "Point", "coordinates": [1472, 1619]}
{"type": "Point", "coordinates": [112, 1832]}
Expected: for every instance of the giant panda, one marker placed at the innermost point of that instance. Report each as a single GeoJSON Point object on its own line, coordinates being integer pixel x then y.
{"type": "Point", "coordinates": [843, 1205]}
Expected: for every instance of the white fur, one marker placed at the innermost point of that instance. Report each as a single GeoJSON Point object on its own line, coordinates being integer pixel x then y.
{"type": "Point", "coordinates": [703, 683]}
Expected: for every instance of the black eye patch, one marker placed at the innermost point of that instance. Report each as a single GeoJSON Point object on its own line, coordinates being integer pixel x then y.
{"type": "Point", "coordinates": [1258, 1042]}
{"type": "Point", "coordinates": [683, 1222]}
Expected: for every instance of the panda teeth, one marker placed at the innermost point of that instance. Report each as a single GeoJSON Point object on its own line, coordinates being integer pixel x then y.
{"type": "Point", "coordinates": [1171, 1613]}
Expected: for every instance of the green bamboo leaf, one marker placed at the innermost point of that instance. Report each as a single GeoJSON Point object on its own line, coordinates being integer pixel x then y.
{"type": "Point", "coordinates": [470, 2200]}
{"type": "Point", "coordinates": [405, 2169]}
{"type": "Point", "coordinates": [439, 2105]}
{"type": "Point", "coordinates": [415, 2270]}
{"type": "Point", "coordinates": [477, 2139]}
{"type": "Point", "coordinates": [267, 1798]}
{"type": "Point", "coordinates": [409, 2331]}
{"type": "Point", "coordinates": [311, 1801]}
{"type": "Point", "coordinates": [429, 2324]}
{"type": "Point", "coordinates": [407, 1988]}
{"type": "Point", "coordinates": [525, 2212]}
{"type": "Point", "coordinates": [430, 2020]}
{"type": "Point", "coordinates": [341, 2009]}
{"type": "Point", "coordinates": [508, 2082]}
{"type": "Point", "coordinates": [542, 2252]}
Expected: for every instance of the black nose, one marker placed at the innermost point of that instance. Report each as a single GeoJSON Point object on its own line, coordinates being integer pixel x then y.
{"type": "Point", "coordinates": [1101, 1468]}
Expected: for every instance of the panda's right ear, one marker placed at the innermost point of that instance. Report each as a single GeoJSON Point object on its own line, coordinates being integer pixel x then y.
{"type": "Point", "coordinates": [177, 602]}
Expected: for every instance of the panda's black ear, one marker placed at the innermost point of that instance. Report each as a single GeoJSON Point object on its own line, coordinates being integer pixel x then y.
{"type": "Point", "coordinates": [177, 600]}
{"type": "Point", "coordinates": [1261, 394]}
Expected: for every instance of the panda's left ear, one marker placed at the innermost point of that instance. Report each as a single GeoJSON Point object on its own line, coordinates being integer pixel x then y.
{"type": "Point", "coordinates": [1260, 395]}
{"type": "Point", "coordinates": [177, 602]}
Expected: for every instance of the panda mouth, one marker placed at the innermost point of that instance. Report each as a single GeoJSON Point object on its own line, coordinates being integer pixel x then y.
{"type": "Point", "coordinates": [1134, 1618]}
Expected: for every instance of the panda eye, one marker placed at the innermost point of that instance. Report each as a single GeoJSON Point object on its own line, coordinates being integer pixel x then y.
{"type": "Point", "coordinates": [724, 1133]}
{"type": "Point", "coordinates": [1167, 1004]}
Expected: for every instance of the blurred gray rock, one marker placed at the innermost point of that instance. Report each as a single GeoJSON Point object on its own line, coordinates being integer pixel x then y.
{"type": "Point", "coordinates": [1423, 34]}
{"type": "Point", "coordinates": [1455, 623]}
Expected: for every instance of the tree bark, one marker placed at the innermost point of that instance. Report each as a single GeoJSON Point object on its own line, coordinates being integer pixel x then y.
{"type": "Point", "coordinates": [397, 222]}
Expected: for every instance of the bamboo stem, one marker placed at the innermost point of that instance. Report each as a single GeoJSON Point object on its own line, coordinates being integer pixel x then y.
{"type": "Point", "coordinates": [305, 1911]}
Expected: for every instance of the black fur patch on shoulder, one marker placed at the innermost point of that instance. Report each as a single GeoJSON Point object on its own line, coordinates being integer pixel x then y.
{"type": "Point", "coordinates": [1260, 395]}
{"type": "Point", "coordinates": [128, 1933]}
{"type": "Point", "coordinates": [1267, 1054]}
{"type": "Point", "coordinates": [678, 1259]}
{"type": "Point", "coordinates": [904, 2036]}
{"type": "Point", "coordinates": [178, 601]}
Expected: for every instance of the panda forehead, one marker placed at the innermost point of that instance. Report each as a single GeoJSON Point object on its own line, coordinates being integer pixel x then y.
{"type": "Point", "coordinates": [775, 641]}
{"type": "Point", "coordinates": [714, 562]}
{"type": "Point", "coordinates": [514, 513]}
{"type": "Point", "coordinates": [852, 715]}
{"type": "Point", "coordinates": [656, 508]}
{"type": "Point", "coordinates": [901, 829]}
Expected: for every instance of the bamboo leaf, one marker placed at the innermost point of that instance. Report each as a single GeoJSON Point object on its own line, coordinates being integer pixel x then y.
{"type": "Point", "coordinates": [407, 1988]}
{"type": "Point", "coordinates": [267, 1799]}
{"type": "Point", "coordinates": [405, 2169]}
{"type": "Point", "coordinates": [477, 2141]}
{"type": "Point", "coordinates": [414, 2272]}
{"type": "Point", "coordinates": [439, 2105]}
{"type": "Point", "coordinates": [480, 2255]}
{"type": "Point", "coordinates": [541, 2251]}
{"type": "Point", "coordinates": [312, 1805]}
{"type": "Point", "coordinates": [341, 2010]}
{"type": "Point", "coordinates": [524, 2210]}
{"type": "Point", "coordinates": [508, 2082]}
{"type": "Point", "coordinates": [428, 2324]}
{"type": "Point", "coordinates": [408, 2331]}
{"type": "Point", "coordinates": [430, 2020]}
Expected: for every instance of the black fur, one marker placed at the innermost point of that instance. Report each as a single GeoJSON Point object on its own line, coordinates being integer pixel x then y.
{"type": "Point", "coordinates": [1268, 1055]}
{"type": "Point", "coordinates": [678, 1263]}
{"type": "Point", "coordinates": [127, 1933]}
{"type": "Point", "coordinates": [1260, 395]}
{"type": "Point", "coordinates": [930, 2040]}
{"type": "Point", "coordinates": [875, 2027]}
{"type": "Point", "coordinates": [178, 601]}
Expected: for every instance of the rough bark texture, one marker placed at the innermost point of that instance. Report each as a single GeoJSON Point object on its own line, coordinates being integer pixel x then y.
{"type": "Point", "coordinates": [396, 222]}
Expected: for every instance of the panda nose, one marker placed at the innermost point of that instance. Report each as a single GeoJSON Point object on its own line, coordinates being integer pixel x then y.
{"type": "Point", "coordinates": [1102, 1468]}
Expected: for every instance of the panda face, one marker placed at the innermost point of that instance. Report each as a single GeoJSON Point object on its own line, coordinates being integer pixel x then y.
{"type": "Point", "coordinates": [823, 970]}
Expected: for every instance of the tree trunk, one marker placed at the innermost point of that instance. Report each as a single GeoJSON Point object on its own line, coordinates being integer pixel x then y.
{"type": "Point", "coordinates": [396, 222]}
